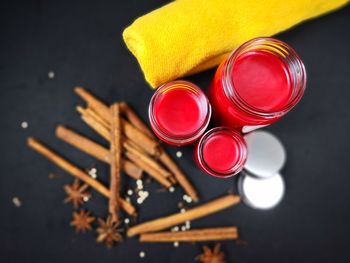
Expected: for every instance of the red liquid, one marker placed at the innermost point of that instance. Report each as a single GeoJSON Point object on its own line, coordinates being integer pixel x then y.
{"type": "Point", "coordinates": [220, 152]}
{"type": "Point", "coordinates": [179, 112]}
{"type": "Point", "coordinates": [261, 80]}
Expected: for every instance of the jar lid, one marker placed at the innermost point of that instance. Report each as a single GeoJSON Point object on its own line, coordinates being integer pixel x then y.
{"type": "Point", "coordinates": [266, 154]}
{"type": "Point", "coordinates": [261, 193]}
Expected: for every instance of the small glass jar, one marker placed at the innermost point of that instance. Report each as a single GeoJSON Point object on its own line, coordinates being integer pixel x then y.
{"type": "Point", "coordinates": [221, 152]}
{"type": "Point", "coordinates": [257, 84]}
{"type": "Point", "coordinates": [179, 112]}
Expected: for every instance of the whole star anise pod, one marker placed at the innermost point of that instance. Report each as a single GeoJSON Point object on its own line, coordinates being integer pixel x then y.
{"type": "Point", "coordinates": [82, 221]}
{"type": "Point", "coordinates": [108, 231]}
{"type": "Point", "coordinates": [76, 193]}
{"type": "Point", "coordinates": [214, 255]}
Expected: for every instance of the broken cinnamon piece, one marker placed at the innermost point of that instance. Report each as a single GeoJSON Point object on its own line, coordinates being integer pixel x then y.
{"type": "Point", "coordinates": [134, 119]}
{"type": "Point", "coordinates": [94, 149]}
{"type": "Point", "coordinates": [191, 214]}
{"type": "Point", "coordinates": [195, 235]}
{"type": "Point", "coordinates": [75, 171]}
{"type": "Point", "coordinates": [115, 151]}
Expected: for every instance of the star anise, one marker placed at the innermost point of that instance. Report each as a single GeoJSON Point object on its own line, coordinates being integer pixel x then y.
{"type": "Point", "coordinates": [82, 221]}
{"type": "Point", "coordinates": [214, 255]}
{"type": "Point", "coordinates": [108, 231]}
{"type": "Point", "coordinates": [76, 193]}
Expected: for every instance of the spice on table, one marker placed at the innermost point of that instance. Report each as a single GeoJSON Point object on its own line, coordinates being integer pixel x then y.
{"type": "Point", "coordinates": [148, 160]}
{"type": "Point", "coordinates": [147, 143]}
{"type": "Point", "coordinates": [143, 162]}
{"type": "Point", "coordinates": [133, 150]}
{"type": "Point", "coordinates": [108, 232]}
{"type": "Point", "coordinates": [196, 235]}
{"type": "Point", "coordinates": [131, 132]}
{"type": "Point", "coordinates": [82, 221]}
{"type": "Point", "coordinates": [135, 120]}
{"type": "Point", "coordinates": [194, 213]}
{"type": "Point", "coordinates": [24, 125]}
{"type": "Point", "coordinates": [179, 175]}
{"type": "Point", "coordinates": [141, 159]}
{"type": "Point", "coordinates": [115, 151]}
{"type": "Point", "coordinates": [51, 74]}
{"type": "Point", "coordinates": [214, 255]}
{"type": "Point", "coordinates": [76, 193]}
{"type": "Point", "coordinates": [16, 201]}
{"type": "Point", "coordinates": [94, 149]}
{"type": "Point", "coordinates": [75, 171]}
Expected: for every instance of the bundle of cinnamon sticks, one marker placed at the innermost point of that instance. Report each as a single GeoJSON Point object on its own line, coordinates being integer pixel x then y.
{"type": "Point", "coordinates": [133, 150]}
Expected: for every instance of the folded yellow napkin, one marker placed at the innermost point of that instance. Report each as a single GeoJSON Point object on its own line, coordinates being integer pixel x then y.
{"type": "Point", "coordinates": [188, 36]}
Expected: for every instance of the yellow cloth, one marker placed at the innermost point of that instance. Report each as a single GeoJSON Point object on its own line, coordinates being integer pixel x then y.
{"type": "Point", "coordinates": [188, 36]}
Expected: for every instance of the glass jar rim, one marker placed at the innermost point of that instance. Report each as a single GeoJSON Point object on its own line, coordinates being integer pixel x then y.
{"type": "Point", "coordinates": [237, 136]}
{"type": "Point", "coordinates": [276, 47]}
{"type": "Point", "coordinates": [191, 137]}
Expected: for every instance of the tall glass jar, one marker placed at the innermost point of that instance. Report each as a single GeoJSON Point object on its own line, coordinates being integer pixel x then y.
{"type": "Point", "coordinates": [257, 84]}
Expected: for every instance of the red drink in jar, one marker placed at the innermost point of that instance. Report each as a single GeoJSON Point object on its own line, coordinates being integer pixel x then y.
{"type": "Point", "coordinates": [257, 84]}
{"type": "Point", "coordinates": [221, 152]}
{"type": "Point", "coordinates": [179, 112]}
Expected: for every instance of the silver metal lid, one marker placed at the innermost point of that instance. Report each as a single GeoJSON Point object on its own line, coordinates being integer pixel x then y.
{"type": "Point", "coordinates": [261, 193]}
{"type": "Point", "coordinates": [266, 154]}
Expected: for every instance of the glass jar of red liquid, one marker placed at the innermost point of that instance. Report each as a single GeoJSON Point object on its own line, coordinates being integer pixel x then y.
{"type": "Point", "coordinates": [179, 112]}
{"type": "Point", "coordinates": [257, 84]}
{"type": "Point", "coordinates": [221, 152]}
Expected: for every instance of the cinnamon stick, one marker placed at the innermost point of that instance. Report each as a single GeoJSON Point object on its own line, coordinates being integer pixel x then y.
{"type": "Point", "coordinates": [94, 124]}
{"type": "Point", "coordinates": [76, 172]}
{"type": "Point", "coordinates": [98, 106]}
{"type": "Point", "coordinates": [163, 156]}
{"type": "Point", "coordinates": [96, 150]}
{"type": "Point", "coordinates": [194, 213]}
{"type": "Point", "coordinates": [115, 163]}
{"type": "Point", "coordinates": [151, 162]}
{"type": "Point", "coordinates": [195, 235]}
{"type": "Point", "coordinates": [142, 140]}
{"type": "Point", "coordinates": [139, 161]}
{"type": "Point", "coordinates": [148, 144]}
{"type": "Point", "coordinates": [135, 120]}
{"type": "Point", "coordinates": [134, 134]}
{"type": "Point", "coordinates": [179, 175]}
{"type": "Point", "coordinates": [148, 169]}
{"type": "Point", "coordinates": [93, 114]}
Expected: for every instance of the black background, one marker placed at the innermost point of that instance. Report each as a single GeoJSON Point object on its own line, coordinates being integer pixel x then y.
{"type": "Point", "coordinates": [81, 42]}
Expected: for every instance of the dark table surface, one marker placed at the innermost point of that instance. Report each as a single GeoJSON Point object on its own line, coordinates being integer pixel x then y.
{"type": "Point", "coordinates": [80, 41]}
